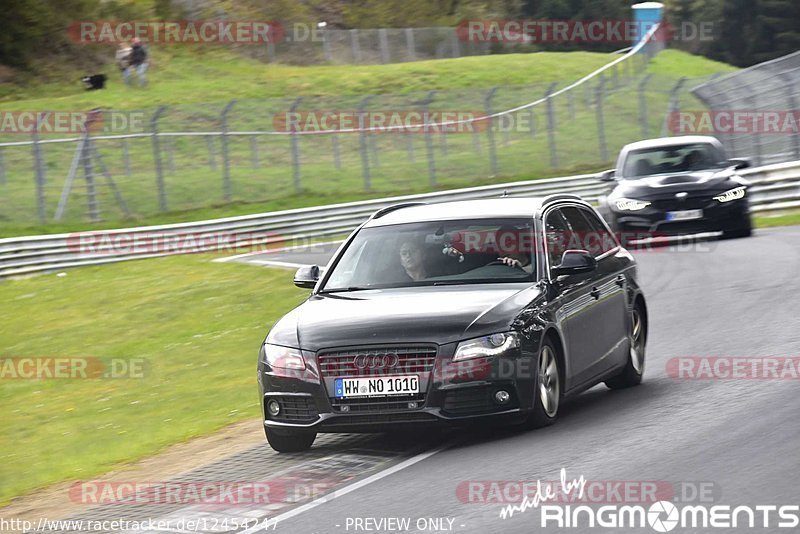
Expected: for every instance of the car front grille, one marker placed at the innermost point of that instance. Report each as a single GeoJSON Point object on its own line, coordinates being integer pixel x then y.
{"type": "Point", "coordinates": [688, 203]}
{"type": "Point", "coordinates": [377, 361]}
{"type": "Point", "coordinates": [378, 404]}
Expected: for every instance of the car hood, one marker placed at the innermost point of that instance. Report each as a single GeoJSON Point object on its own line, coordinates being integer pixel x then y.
{"type": "Point", "coordinates": [713, 181]}
{"type": "Point", "coordinates": [402, 315]}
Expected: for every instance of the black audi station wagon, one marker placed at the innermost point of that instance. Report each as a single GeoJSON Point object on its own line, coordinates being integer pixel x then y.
{"type": "Point", "coordinates": [450, 313]}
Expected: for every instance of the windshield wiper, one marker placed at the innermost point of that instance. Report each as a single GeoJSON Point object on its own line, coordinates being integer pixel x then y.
{"type": "Point", "coordinates": [343, 290]}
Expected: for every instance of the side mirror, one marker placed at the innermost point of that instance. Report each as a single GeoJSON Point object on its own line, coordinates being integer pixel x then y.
{"type": "Point", "coordinates": [575, 262]}
{"type": "Point", "coordinates": [607, 176]}
{"type": "Point", "coordinates": [307, 277]}
{"type": "Point", "coordinates": [740, 163]}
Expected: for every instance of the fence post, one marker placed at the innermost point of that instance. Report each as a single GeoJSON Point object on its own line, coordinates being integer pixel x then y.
{"type": "Point", "coordinates": [790, 89]}
{"type": "Point", "coordinates": [384, 44]}
{"type": "Point", "coordinates": [429, 139]}
{"type": "Point", "coordinates": [91, 193]}
{"type": "Point", "coordinates": [601, 128]}
{"type": "Point", "coordinates": [410, 45]}
{"type": "Point", "coordinates": [39, 168]}
{"type": "Point", "coordinates": [126, 157]}
{"type": "Point", "coordinates": [162, 195]}
{"type": "Point", "coordinates": [672, 106]}
{"type": "Point", "coordinates": [362, 145]}
{"type": "Point", "coordinates": [295, 144]}
{"type": "Point", "coordinates": [756, 136]}
{"type": "Point", "coordinates": [356, 49]}
{"type": "Point", "coordinates": [254, 152]}
{"type": "Point", "coordinates": [643, 106]}
{"type": "Point", "coordinates": [487, 104]}
{"type": "Point", "coordinates": [2, 168]}
{"type": "Point", "coordinates": [551, 126]}
{"type": "Point", "coordinates": [226, 161]}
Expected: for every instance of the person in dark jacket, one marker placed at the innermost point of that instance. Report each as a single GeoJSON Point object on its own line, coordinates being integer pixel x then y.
{"type": "Point", "coordinates": [138, 62]}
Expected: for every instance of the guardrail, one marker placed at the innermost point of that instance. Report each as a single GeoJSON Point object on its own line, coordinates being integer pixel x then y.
{"type": "Point", "coordinates": [775, 187]}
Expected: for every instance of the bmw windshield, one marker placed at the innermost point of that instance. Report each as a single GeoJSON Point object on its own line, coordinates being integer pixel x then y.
{"type": "Point", "coordinates": [436, 253]}
{"type": "Point", "coordinates": [673, 159]}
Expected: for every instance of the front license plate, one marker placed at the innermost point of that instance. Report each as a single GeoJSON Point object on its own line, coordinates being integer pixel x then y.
{"type": "Point", "coordinates": [684, 215]}
{"type": "Point", "coordinates": [376, 387]}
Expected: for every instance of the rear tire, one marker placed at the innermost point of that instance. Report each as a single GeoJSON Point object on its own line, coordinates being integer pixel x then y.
{"type": "Point", "coordinates": [633, 371]}
{"type": "Point", "coordinates": [547, 393]}
{"type": "Point", "coordinates": [290, 440]}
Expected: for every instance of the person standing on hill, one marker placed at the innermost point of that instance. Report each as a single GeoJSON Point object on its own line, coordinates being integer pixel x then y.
{"type": "Point", "coordinates": [123, 59]}
{"type": "Point", "coordinates": [138, 61]}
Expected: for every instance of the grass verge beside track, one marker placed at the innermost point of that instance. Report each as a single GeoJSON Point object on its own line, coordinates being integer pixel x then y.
{"type": "Point", "coordinates": [198, 325]}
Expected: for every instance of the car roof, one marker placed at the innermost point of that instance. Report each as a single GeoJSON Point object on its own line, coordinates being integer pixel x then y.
{"type": "Point", "coordinates": [671, 141]}
{"type": "Point", "coordinates": [505, 207]}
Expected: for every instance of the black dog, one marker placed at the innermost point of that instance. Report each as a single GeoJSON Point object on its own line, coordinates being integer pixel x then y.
{"type": "Point", "coordinates": [94, 82]}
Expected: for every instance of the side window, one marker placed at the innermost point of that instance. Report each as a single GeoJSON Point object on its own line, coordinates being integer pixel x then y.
{"type": "Point", "coordinates": [587, 232]}
{"type": "Point", "coordinates": [556, 237]}
{"type": "Point", "coordinates": [602, 236]}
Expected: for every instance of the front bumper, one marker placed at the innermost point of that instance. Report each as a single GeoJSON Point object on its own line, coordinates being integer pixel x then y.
{"type": "Point", "coordinates": [451, 394]}
{"type": "Point", "coordinates": [653, 221]}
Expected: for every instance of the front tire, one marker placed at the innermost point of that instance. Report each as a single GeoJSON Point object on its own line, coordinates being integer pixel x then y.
{"type": "Point", "coordinates": [745, 230]}
{"type": "Point", "coordinates": [290, 440]}
{"type": "Point", "coordinates": [633, 372]}
{"type": "Point", "coordinates": [547, 389]}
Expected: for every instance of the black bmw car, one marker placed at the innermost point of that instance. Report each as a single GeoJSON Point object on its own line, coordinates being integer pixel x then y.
{"type": "Point", "coordinates": [452, 313]}
{"type": "Point", "coordinates": [677, 186]}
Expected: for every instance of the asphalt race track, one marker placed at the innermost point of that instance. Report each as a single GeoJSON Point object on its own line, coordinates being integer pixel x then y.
{"type": "Point", "coordinates": [738, 438]}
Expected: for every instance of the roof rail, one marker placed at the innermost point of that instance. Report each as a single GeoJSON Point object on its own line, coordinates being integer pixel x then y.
{"type": "Point", "coordinates": [394, 207]}
{"type": "Point", "coordinates": [560, 196]}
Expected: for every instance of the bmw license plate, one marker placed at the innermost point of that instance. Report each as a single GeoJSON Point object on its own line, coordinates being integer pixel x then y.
{"type": "Point", "coordinates": [376, 387]}
{"type": "Point", "coordinates": [684, 215]}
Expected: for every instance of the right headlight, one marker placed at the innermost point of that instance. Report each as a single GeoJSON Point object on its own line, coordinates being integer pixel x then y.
{"type": "Point", "coordinates": [630, 204]}
{"type": "Point", "coordinates": [284, 357]}
{"type": "Point", "coordinates": [482, 347]}
{"type": "Point", "coordinates": [732, 194]}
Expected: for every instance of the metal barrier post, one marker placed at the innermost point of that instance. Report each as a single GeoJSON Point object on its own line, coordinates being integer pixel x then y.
{"type": "Point", "coordinates": [226, 161]}
{"type": "Point", "coordinates": [38, 164]}
{"type": "Point", "coordinates": [551, 126]}
{"type": "Point", "coordinates": [162, 195]}
{"type": "Point", "coordinates": [487, 102]}
{"type": "Point", "coordinates": [643, 106]}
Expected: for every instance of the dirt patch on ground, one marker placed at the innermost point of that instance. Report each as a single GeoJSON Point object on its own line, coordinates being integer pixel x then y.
{"type": "Point", "coordinates": [54, 502]}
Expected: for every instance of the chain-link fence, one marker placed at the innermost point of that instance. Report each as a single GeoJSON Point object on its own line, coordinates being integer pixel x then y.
{"type": "Point", "coordinates": [756, 112]}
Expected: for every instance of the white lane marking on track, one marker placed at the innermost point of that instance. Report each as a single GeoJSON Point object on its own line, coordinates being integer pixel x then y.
{"type": "Point", "coordinates": [272, 251]}
{"type": "Point", "coordinates": [284, 264]}
{"type": "Point", "coordinates": [347, 489]}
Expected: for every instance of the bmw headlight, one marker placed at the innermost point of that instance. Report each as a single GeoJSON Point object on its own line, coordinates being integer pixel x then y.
{"type": "Point", "coordinates": [485, 346]}
{"type": "Point", "coordinates": [284, 357]}
{"type": "Point", "coordinates": [733, 194]}
{"type": "Point", "coordinates": [630, 204]}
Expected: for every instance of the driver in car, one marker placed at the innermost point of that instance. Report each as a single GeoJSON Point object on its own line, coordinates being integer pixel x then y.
{"type": "Point", "coordinates": [509, 241]}
{"type": "Point", "coordinates": [412, 258]}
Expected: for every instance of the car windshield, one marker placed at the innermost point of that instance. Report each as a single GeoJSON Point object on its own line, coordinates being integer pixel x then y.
{"type": "Point", "coordinates": [436, 253]}
{"type": "Point", "coordinates": [672, 159]}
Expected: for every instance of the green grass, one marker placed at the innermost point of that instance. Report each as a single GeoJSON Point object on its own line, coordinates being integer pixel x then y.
{"type": "Point", "coordinates": [197, 323]}
{"type": "Point", "coordinates": [194, 187]}
{"type": "Point", "coordinates": [789, 218]}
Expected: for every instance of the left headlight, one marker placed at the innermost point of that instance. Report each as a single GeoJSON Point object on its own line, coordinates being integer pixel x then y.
{"type": "Point", "coordinates": [630, 204]}
{"type": "Point", "coordinates": [733, 194]}
{"type": "Point", "coordinates": [485, 346]}
{"type": "Point", "coordinates": [284, 357]}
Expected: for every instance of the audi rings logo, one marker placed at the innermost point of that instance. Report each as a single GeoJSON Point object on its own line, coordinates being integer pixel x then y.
{"type": "Point", "coordinates": [376, 361]}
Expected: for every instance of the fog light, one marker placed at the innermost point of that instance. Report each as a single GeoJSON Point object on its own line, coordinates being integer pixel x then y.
{"type": "Point", "coordinates": [502, 397]}
{"type": "Point", "coordinates": [412, 405]}
{"type": "Point", "coordinates": [273, 408]}
{"type": "Point", "coordinates": [345, 408]}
